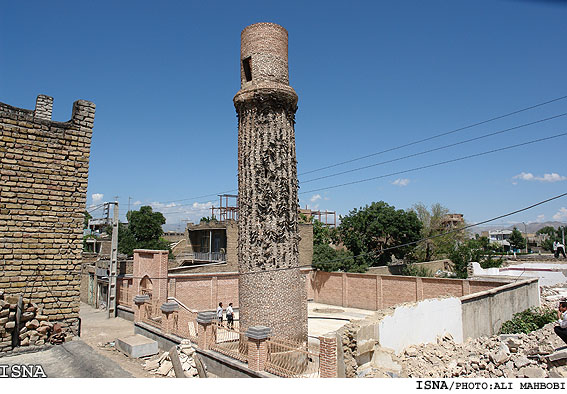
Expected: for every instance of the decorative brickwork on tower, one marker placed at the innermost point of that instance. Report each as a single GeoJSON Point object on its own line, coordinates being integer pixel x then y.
{"type": "Point", "coordinates": [271, 288]}
{"type": "Point", "coordinates": [44, 168]}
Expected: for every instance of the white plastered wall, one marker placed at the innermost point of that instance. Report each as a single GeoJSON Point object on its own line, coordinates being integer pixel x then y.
{"type": "Point", "coordinates": [421, 323]}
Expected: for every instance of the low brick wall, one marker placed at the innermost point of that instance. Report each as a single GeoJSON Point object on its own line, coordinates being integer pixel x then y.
{"type": "Point", "coordinates": [374, 292]}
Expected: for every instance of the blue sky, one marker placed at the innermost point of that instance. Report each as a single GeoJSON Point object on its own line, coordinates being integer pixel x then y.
{"type": "Point", "coordinates": [370, 76]}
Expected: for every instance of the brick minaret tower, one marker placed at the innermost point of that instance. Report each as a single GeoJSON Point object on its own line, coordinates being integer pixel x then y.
{"type": "Point", "coordinates": [271, 288]}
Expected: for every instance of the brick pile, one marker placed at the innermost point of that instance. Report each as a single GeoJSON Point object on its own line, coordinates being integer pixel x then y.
{"type": "Point", "coordinates": [34, 328]}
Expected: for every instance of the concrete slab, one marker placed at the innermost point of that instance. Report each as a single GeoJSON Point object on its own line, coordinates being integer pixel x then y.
{"type": "Point", "coordinates": [323, 318]}
{"type": "Point", "coordinates": [137, 346]}
{"type": "Point", "coordinates": [558, 355]}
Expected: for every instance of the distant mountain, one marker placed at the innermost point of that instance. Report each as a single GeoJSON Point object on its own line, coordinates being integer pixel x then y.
{"type": "Point", "coordinates": [532, 227]}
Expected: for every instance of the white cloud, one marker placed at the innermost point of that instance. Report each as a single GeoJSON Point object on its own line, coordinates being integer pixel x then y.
{"type": "Point", "coordinates": [137, 202]}
{"type": "Point", "coordinates": [561, 214]}
{"type": "Point", "coordinates": [525, 176]}
{"type": "Point", "coordinates": [201, 206]}
{"type": "Point", "coordinates": [401, 182]}
{"type": "Point", "coordinates": [97, 197]}
{"type": "Point", "coordinates": [528, 176]}
{"type": "Point", "coordinates": [553, 177]}
{"type": "Point", "coordinates": [540, 218]}
{"type": "Point", "coordinates": [315, 197]}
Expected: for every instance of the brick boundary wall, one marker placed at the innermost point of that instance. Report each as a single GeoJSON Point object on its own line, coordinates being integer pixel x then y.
{"type": "Point", "coordinates": [374, 292]}
{"type": "Point", "coordinates": [203, 291]}
{"type": "Point", "coordinates": [44, 169]}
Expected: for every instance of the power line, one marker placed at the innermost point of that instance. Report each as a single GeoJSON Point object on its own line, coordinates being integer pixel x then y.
{"type": "Point", "coordinates": [422, 239]}
{"type": "Point", "coordinates": [435, 136]}
{"type": "Point", "coordinates": [435, 164]}
{"type": "Point", "coordinates": [415, 168]}
{"type": "Point", "coordinates": [409, 243]}
{"type": "Point", "coordinates": [92, 209]}
{"type": "Point", "coordinates": [391, 149]}
{"type": "Point", "coordinates": [435, 149]}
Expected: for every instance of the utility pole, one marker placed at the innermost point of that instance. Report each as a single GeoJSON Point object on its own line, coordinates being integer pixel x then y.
{"type": "Point", "coordinates": [129, 198]}
{"type": "Point", "coordinates": [526, 232]}
{"type": "Point", "coordinates": [111, 304]}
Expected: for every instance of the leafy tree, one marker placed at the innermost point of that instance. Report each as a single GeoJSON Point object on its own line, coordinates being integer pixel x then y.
{"type": "Point", "coordinates": [325, 258]}
{"type": "Point", "coordinates": [88, 216]}
{"type": "Point", "coordinates": [142, 232]}
{"type": "Point", "coordinates": [478, 250]}
{"type": "Point", "coordinates": [415, 270]}
{"type": "Point", "coordinates": [552, 235]}
{"type": "Point", "coordinates": [367, 231]}
{"type": "Point", "coordinates": [145, 225]}
{"type": "Point", "coordinates": [432, 221]}
{"type": "Point", "coordinates": [516, 240]}
{"type": "Point", "coordinates": [126, 240]}
{"type": "Point", "coordinates": [321, 233]}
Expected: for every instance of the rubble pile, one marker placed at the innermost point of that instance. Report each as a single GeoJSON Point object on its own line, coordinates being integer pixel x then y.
{"type": "Point", "coordinates": [551, 295]}
{"type": "Point", "coordinates": [34, 327]}
{"type": "Point", "coordinates": [162, 365]}
{"type": "Point", "coordinates": [509, 356]}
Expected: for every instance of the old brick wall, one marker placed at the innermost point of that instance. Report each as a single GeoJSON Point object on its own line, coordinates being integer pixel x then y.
{"type": "Point", "coordinates": [44, 169]}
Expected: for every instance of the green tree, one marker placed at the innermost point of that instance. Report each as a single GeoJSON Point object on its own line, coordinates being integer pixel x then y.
{"type": "Point", "coordinates": [478, 250]}
{"type": "Point", "coordinates": [126, 240]}
{"type": "Point", "coordinates": [368, 231]}
{"type": "Point", "coordinates": [88, 216]}
{"type": "Point", "coordinates": [432, 221]}
{"type": "Point", "coordinates": [321, 233]}
{"type": "Point", "coordinates": [325, 258]}
{"type": "Point", "coordinates": [145, 225]}
{"type": "Point", "coordinates": [516, 240]}
{"type": "Point", "coordinates": [552, 234]}
{"type": "Point", "coordinates": [142, 232]}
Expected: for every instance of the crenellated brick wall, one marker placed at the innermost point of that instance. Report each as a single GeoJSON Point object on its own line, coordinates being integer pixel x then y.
{"type": "Point", "coordinates": [43, 170]}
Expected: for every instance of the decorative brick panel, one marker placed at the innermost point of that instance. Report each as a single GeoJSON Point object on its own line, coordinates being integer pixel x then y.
{"type": "Point", "coordinates": [328, 357]}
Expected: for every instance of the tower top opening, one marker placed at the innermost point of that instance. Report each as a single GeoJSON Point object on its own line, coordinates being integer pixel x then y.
{"type": "Point", "coordinates": [263, 54]}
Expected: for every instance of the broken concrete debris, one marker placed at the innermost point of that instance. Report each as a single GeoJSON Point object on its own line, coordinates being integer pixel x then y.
{"type": "Point", "coordinates": [162, 365]}
{"type": "Point", "coordinates": [539, 354]}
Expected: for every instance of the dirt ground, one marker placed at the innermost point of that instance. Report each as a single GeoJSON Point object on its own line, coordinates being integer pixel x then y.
{"type": "Point", "coordinates": [97, 331]}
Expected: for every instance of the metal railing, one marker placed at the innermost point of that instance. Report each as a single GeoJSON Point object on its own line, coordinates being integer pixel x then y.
{"type": "Point", "coordinates": [185, 321]}
{"type": "Point", "coordinates": [292, 360]}
{"type": "Point", "coordinates": [212, 256]}
{"type": "Point", "coordinates": [230, 341]}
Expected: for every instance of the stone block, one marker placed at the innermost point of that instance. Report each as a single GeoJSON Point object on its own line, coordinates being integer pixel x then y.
{"type": "Point", "coordinates": [137, 346]}
{"type": "Point", "coordinates": [532, 372]}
